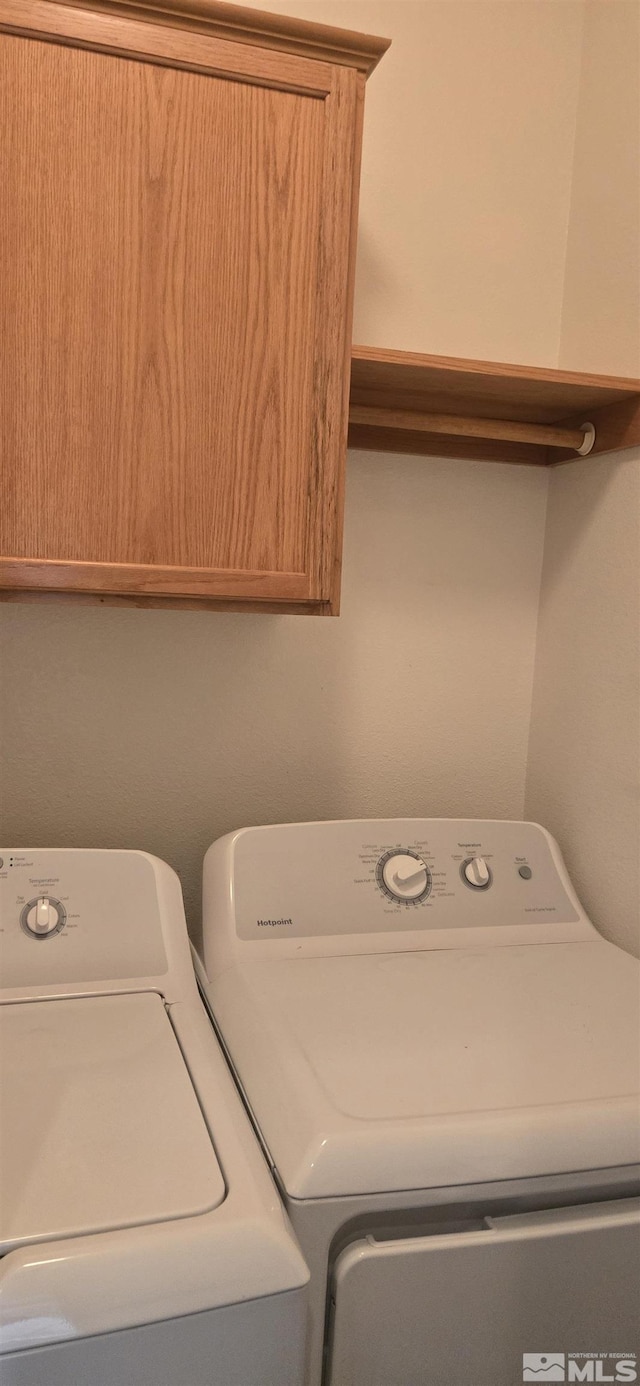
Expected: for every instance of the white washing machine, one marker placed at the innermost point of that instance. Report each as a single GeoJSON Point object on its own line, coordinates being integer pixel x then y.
{"type": "Point", "coordinates": [441, 1056]}
{"type": "Point", "coordinates": [142, 1237]}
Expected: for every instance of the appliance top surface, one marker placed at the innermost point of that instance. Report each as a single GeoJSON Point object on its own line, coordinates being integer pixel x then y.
{"type": "Point", "coordinates": [416, 1035]}
{"type": "Point", "coordinates": [133, 1188]}
{"type": "Point", "coordinates": [407, 1045]}
{"type": "Point", "coordinates": [100, 1126]}
{"type": "Point", "coordinates": [427, 1068]}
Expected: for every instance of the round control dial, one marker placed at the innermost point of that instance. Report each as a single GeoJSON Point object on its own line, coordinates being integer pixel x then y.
{"type": "Point", "coordinates": [43, 917]}
{"type": "Point", "coordinates": [403, 876]}
{"type": "Point", "coordinates": [476, 873]}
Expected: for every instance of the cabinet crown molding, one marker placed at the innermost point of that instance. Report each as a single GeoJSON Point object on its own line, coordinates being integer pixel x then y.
{"type": "Point", "coordinates": [259, 27]}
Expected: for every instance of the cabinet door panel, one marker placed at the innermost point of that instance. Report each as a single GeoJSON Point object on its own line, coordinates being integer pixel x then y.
{"type": "Point", "coordinates": [166, 324]}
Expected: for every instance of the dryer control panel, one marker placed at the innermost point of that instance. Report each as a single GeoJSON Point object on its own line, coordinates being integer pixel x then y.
{"type": "Point", "coordinates": [395, 883]}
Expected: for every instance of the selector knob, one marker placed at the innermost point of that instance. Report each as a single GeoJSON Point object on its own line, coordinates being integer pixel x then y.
{"type": "Point", "coordinates": [43, 917]}
{"type": "Point", "coordinates": [404, 876]}
{"type": "Point", "coordinates": [476, 873]}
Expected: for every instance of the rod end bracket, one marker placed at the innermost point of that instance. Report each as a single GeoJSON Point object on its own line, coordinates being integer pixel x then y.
{"type": "Point", "coordinates": [589, 439]}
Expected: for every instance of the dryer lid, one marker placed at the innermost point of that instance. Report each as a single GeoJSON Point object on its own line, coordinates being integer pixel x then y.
{"type": "Point", "coordinates": [416, 1070]}
{"type": "Point", "coordinates": [100, 1127]}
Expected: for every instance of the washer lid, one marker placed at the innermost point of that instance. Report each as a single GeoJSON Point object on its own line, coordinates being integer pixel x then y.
{"type": "Point", "coordinates": [100, 1127]}
{"type": "Point", "coordinates": [414, 1070]}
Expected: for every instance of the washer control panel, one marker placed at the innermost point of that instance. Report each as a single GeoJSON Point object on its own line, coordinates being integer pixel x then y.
{"type": "Point", "coordinates": [316, 880]}
{"type": "Point", "coordinates": [70, 917]}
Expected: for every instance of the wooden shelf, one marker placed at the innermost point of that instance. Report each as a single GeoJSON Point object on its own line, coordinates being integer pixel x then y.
{"type": "Point", "coordinates": [396, 394]}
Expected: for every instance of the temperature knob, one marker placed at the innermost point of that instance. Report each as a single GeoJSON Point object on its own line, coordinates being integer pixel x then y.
{"type": "Point", "coordinates": [43, 917]}
{"type": "Point", "coordinates": [403, 876]}
{"type": "Point", "coordinates": [476, 873]}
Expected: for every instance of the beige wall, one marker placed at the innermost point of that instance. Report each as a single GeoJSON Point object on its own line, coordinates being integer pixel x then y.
{"type": "Point", "coordinates": [584, 761]}
{"type": "Point", "coordinates": [466, 176]}
{"type": "Point", "coordinates": [165, 729]}
{"type": "Point", "coordinates": [601, 309]}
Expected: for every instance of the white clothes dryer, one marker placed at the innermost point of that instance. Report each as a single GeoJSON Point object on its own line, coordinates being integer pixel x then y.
{"type": "Point", "coordinates": [441, 1056]}
{"type": "Point", "coordinates": [142, 1237]}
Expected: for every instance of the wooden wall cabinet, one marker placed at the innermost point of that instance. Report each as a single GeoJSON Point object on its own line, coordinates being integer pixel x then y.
{"type": "Point", "coordinates": [177, 231]}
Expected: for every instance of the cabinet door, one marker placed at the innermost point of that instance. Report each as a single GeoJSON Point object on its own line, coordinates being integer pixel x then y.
{"type": "Point", "coordinates": [177, 219]}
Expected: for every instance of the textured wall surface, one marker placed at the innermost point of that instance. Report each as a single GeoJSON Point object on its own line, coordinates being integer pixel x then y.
{"type": "Point", "coordinates": [466, 174]}
{"type": "Point", "coordinates": [584, 761]}
{"type": "Point", "coordinates": [163, 730]}
{"type": "Point", "coordinates": [601, 307]}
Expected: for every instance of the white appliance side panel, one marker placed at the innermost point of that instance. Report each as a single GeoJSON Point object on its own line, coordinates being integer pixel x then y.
{"type": "Point", "coordinates": [99, 1124]}
{"type": "Point", "coordinates": [463, 1307]}
{"type": "Point", "coordinates": [260, 1343]}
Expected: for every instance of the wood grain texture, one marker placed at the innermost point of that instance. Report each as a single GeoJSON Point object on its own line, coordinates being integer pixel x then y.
{"type": "Point", "coordinates": [244, 25]}
{"type": "Point", "coordinates": [334, 573]}
{"type": "Point", "coordinates": [332, 333]}
{"type": "Point", "coordinates": [249, 607]}
{"type": "Point", "coordinates": [403, 441]}
{"type": "Point", "coordinates": [409, 380]}
{"type": "Point", "coordinates": [399, 385]}
{"type": "Point", "coordinates": [163, 46]}
{"type": "Point", "coordinates": [464, 426]}
{"type": "Point", "coordinates": [177, 380]}
{"type": "Point", "coordinates": [152, 580]}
